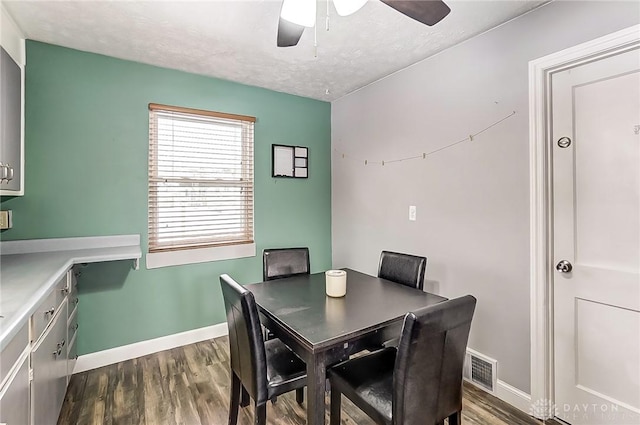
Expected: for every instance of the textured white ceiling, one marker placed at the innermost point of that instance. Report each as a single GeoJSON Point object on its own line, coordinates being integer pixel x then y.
{"type": "Point", "coordinates": [236, 40]}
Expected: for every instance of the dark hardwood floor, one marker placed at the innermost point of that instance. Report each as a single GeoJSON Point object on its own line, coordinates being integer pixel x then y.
{"type": "Point", "coordinates": [190, 385]}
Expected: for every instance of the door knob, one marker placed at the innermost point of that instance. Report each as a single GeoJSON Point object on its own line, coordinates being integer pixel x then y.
{"type": "Point", "coordinates": [564, 266]}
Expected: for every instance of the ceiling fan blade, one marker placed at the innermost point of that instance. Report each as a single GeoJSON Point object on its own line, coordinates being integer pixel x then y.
{"type": "Point", "coordinates": [429, 12]}
{"type": "Point", "coordinates": [288, 33]}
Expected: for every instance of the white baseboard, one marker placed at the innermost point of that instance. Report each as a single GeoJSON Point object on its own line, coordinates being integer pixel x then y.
{"type": "Point", "coordinates": [143, 348]}
{"type": "Point", "coordinates": [505, 392]}
{"type": "Point", "coordinates": [515, 397]}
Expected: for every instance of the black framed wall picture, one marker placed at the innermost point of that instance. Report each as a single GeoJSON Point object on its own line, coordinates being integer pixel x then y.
{"type": "Point", "coordinates": [289, 161]}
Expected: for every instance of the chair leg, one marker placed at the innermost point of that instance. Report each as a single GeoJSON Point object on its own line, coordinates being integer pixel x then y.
{"type": "Point", "coordinates": [456, 418]}
{"type": "Point", "coordinates": [245, 399]}
{"type": "Point", "coordinates": [234, 404]}
{"type": "Point", "coordinates": [261, 414]}
{"type": "Point", "coordinates": [335, 409]}
{"type": "Point", "coordinates": [300, 395]}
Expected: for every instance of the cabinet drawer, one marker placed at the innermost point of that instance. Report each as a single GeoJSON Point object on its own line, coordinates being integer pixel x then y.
{"type": "Point", "coordinates": [73, 325]}
{"type": "Point", "coordinates": [49, 364]}
{"type": "Point", "coordinates": [73, 291]}
{"type": "Point", "coordinates": [14, 397]}
{"type": "Point", "coordinates": [41, 318]}
{"type": "Point", "coordinates": [73, 355]}
{"type": "Point", "coordinates": [72, 305]}
{"type": "Point", "coordinates": [11, 352]}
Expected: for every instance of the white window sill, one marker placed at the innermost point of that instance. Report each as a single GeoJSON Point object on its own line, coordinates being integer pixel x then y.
{"type": "Point", "coordinates": [199, 255]}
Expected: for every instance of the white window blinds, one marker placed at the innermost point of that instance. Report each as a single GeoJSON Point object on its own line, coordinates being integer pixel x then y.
{"type": "Point", "coordinates": [200, 178]}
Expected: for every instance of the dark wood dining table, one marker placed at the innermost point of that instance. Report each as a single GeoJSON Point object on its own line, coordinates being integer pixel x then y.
{"type": "Point", "coordinates": [323, 331]}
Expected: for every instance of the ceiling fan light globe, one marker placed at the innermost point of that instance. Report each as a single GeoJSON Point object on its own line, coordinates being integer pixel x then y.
{"type": "Point", "coordinates": [300, 12]}
{"type": "Point", "coordinates": [347, 7]}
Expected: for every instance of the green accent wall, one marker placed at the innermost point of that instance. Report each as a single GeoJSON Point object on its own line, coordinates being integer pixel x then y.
{"type": "Point", "coordinates": [86, 143]}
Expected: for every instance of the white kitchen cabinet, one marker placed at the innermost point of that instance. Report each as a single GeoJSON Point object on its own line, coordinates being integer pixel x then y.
{"type": "Point", "coordinates": [36, 327]}
{"type": "Point", "coordinates": [72, 351]}
{"type": "Point", "coordinates": [11, 126]}
{"type": "Point", "coordinates": [43, 316]}
{"type": "Point", "coordinates": [49, 366]}
{"type": "Point", "coordinates": [72, 328]}
{"type": "Point", "coordinates": [73, 290]}
{"type": "Point", "coordinates": [12, 352]}
{"type": "Point", "coordinates": [14, 395]}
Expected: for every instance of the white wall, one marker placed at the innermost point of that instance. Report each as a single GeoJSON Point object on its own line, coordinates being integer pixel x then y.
{"type": "Point", "coordinates": [472, 199]}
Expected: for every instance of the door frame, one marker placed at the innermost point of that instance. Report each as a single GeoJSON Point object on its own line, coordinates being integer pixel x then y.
{"type": "Point", "coordinates": [541, 204]}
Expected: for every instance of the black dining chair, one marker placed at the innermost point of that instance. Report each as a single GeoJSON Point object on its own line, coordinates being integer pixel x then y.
{"type": "Point", "coordinates": [404, 269]}
{"type": "Point", "coordinates": [284, 262]}
{"type": "Point", "coordinates": [420, 382]}
{"type": "Point", "coordinates": [262, 369]}
{"type": "Point", "coordinates": [278, 263]}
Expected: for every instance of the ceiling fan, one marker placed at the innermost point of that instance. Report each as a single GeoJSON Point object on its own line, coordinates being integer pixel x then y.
{"type": "Point", "coordinates": [296, 15]}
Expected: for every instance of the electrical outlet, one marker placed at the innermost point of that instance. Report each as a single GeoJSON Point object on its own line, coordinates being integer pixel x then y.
{"type": "Point", "coordinates": [5, 220]}
{"type": "Point", "coordinates": [412, 213]}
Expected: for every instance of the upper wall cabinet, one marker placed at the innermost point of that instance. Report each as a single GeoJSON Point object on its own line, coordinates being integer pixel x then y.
{"type": "Point", "coordinates": [11, 108]}
{"type": "Point", "coordinates": [10, 125]}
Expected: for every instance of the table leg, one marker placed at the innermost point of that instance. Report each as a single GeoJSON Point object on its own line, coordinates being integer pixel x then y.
{"type": "Point", "coordinates": [316, 377]}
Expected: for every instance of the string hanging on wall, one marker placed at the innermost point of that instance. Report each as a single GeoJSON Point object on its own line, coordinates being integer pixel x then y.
{"type": "Point", "coordinates": [424, 155]}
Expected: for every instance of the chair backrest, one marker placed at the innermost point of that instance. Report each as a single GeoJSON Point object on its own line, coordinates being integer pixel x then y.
{"type": "Point", "coordinates": [402, 268]}
{"type": "Point", "coordinates": [284, 262]}
{"type": "Point", "coordinates": [246, 344]}
{"type": "Point", "coordinates": [427, 379]}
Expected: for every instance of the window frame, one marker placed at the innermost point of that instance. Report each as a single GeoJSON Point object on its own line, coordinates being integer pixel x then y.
{"type": "Point", "coordinates": [213, 250]}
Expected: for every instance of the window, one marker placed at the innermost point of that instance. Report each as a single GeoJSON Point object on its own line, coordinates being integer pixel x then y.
{"type": "Point", "coordinates": [200, 179]}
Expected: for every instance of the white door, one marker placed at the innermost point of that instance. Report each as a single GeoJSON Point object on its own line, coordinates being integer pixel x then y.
{"type": "Point", "coordinates": [596, 229]}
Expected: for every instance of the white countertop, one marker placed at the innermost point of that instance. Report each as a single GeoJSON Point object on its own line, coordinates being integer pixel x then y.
{"type": "Point", "coordinates": [30, 269]}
